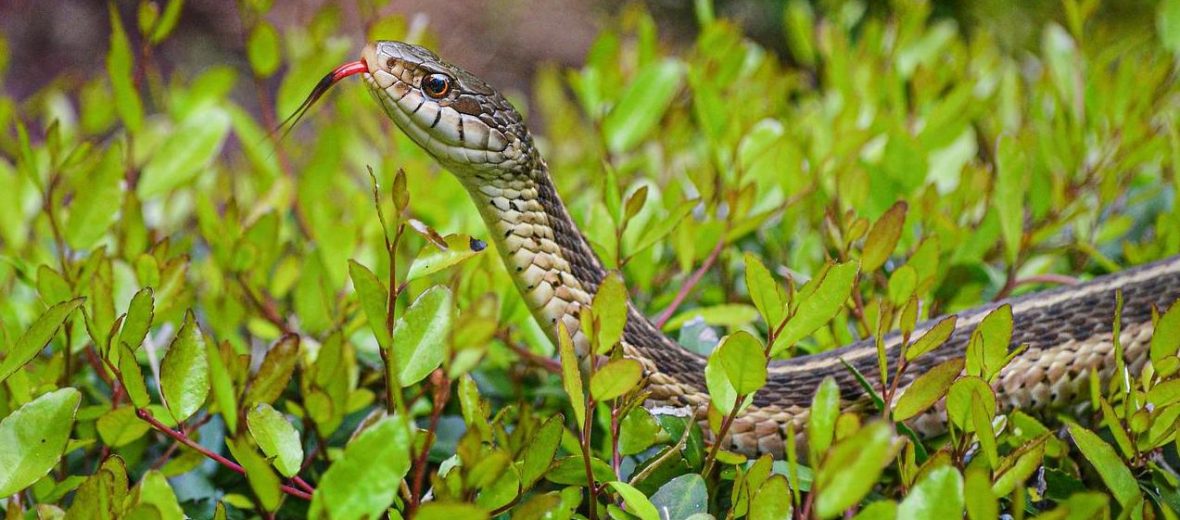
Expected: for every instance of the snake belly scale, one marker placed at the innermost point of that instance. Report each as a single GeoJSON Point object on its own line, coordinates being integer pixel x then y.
{"type": "Point", "coordinates": [476, 134]}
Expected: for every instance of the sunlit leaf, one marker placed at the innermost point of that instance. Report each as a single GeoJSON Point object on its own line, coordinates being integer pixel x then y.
{"type": "Point", "coordinates": [33, 437]}
{"type": "Point", "coordinates": [184, 372]}
{"type": "Point", "coordinates": [364, 480]}
{"type": "Point", "coordinates": [276, 437]}
{"type": "Point", "coordinates": [422, 335]}
{"type": "Point", "coordinates": [615, 379]}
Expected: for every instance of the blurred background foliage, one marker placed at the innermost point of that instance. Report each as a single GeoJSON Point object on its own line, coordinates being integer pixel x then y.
{"type": "Point", "coordinates": [1030, 142]}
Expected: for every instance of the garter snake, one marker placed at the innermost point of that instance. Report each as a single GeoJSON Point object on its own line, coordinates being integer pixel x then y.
{"type": "Point", "coordinates": [473, 131]}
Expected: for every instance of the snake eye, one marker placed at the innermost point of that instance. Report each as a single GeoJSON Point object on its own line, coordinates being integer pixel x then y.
{"type": "Point", "coordinates": [436, 85]}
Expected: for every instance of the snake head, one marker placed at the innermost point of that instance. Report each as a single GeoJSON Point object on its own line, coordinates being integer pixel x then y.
{"type": "Point", "coordinates": [464, 123]}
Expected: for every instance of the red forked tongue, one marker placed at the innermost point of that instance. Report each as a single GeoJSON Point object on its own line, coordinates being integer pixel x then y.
{"type": "Point", "coordinates": [348, 69]}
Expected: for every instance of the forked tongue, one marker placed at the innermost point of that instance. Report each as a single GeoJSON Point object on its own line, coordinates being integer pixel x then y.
{"type": "Point", "coordinates": [348, 69]}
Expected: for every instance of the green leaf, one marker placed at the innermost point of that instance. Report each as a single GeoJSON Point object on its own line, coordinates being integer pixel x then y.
{"type": "Point", "coordinates": [540, 450]}
{"type": "Point", "coordinates": [642, 104]}
{"type": "Point", "coordinates": [1110, 467]}
{"type": "Point", "coordinates": [615, 379]}
{"type": "Point", "coordinates": [637, 502]}
{"type": "Point", "coordinates": [571, 471]}
{"type": "Point", "coordinates": [121, 68]}
{"type": "Point", "coordinates": [120, 427]}
{"type": "Point", "coordinates": [851, 469]}
{"type": "Point", "coordinates": [927, 389]}
{"type": "Point", "coordinates": [767, 293]}
{"type": "Point", "coordinates": [610, 310]}
{"type": "Point", "coordinates": [938, 494]}
{"type": "Point", "coordinates": [960, 400]}
{"type": "Point", "coordinates": [660, 228]}
{"type": "Point", "coordinates": [275, 372]}
{"type": "Point", "coordinates": [33, 438]}
{"type": "Point", "coordinates": [224, 392]}
{"type": "Point", "coordinates": [422, 334]}
{"type": "Point", "coordinates": [981, 503]}
{"type": "Point", "coordinates": [772, 501]}
{"type": "Point", "coordinates": [682, 497]}
{"type": "Point", "coordinates": [1017, 467]}
{"type": "Point", "coordinates": [637, 431]}
{"type": "Point", "coordinates": [36, 337]}
{"type": "Point", "coordinates": [97, 200]}
{"type": "Point", "coordinates": [132, 378]}
{"type": "Point", "coordinates": [262, 479]}
{"type": "Point", "coordinates": [1165, 393]}
{"type": "Point", "coordinates": [262, 48]}
{"type": "Point", "coordinates": [451, 511]}
{"type": "Point", "coordinates": [153, 490]}
{"type": "Point", "coordinates": [167, 21]}
{"type": "Point", "coordinates": [571, 375]}
{"type": "Point", "coordinates": [189, 150]}
{"type": "Point", "coordinates": [987, 352]}
{"type": "Point", "coordinates": [277, 438]}
{"type": "Point", "coordinates": [1165, 341]}
{"type": "Point", "coordinates": [743, 360]}
{"type": "Point", "coordinates": [374, 299]}
{"type": "Point", "coordinates": [933, 338]}
{"type": "Point", "coordinates": [821, 422]}
{"type": "Point", "coordinates": [817, 306]}
{"type": "Point", "coordinates": [883, 236]}
{"type": "Point", "coordinates": [1008, 195]}
{"type": "Point", "coordinates": [1167, 24]}
{"type": "Point", "coordinates": [364, 481]}
{"type": "Point", "coordinates": [140, 313]}
{"type": "Point", "coordinates": [431, 259]}
{"type": "Point", "coordinates": [184, 372]}
{"type": "Point", "coordinates": [726, 315]}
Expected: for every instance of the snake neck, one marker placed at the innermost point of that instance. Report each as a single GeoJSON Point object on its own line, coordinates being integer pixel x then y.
{"type": "Point", "coordinates": [551, 263]}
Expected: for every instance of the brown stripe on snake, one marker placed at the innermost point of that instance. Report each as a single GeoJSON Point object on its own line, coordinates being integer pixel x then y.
{"type": "Point", "coordinates": [476, 134]}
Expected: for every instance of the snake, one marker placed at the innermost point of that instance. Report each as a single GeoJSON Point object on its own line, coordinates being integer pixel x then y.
{"type": "Point", "coordinates": [471, 129]}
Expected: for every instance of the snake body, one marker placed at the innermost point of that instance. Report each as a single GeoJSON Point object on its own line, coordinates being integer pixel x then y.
{"type": "Point", "coordinates": [476, 134]}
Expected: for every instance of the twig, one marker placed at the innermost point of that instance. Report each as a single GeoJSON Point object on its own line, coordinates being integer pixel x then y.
{"type": "Point", "coordinates": [442, 392]}
{"type": "Point", "coordinates": [180, 437]}
{"type": "Point", "coordinates": [551, 365]}
{"type": "Point", "coordinates": [690, 284]}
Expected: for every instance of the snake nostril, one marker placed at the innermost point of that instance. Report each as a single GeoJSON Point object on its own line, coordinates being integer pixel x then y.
{"type": "Point", "coordinates": [390, 63]}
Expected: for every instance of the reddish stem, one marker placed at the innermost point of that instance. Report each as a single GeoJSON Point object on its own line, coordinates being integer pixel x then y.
{"type": "Point", "coordinates": [233, 466]}
{"type": "Point", "coordinates": [690, 284]}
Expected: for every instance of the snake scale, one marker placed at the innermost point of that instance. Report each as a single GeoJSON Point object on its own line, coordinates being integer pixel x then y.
{"type": "Point", "coordinates": [471, 130]}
